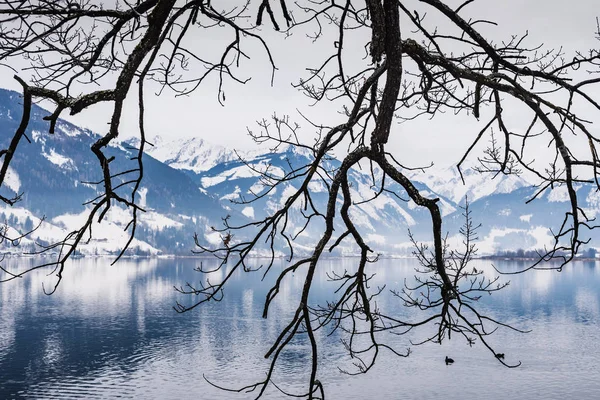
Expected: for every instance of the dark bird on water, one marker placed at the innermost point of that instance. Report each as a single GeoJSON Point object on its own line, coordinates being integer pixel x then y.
{"type": "Point", "coordinates": [500, 356]}
{"type": "Point", "coordinates": [449, 360]}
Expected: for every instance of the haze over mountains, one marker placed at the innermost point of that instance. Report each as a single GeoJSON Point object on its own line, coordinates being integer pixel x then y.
{"type": "Point", "coordinates": [190, 185]}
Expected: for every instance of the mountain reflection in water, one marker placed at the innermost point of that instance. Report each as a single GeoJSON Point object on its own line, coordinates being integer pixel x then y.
{"type": "Point", "coordinates": [111, 331]}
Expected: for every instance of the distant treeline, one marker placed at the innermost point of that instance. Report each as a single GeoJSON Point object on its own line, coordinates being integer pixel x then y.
{"type": "Point", "coordinates": [520, 253]}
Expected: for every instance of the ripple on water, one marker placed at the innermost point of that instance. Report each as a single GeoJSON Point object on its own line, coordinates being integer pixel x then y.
{"type": "Point", "coordinates": [135, 346]}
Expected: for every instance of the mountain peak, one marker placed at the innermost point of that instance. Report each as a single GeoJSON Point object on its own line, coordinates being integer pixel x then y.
{"type": "Point", "coordinates": [448, 182]}
{"type": "Point", "coordinates": [187, 153]}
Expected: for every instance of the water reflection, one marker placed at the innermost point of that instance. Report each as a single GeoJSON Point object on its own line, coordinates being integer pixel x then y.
{"type": "Point", "coordinates": [111, 331]}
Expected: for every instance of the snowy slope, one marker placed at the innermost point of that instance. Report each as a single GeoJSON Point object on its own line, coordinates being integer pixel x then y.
{"type": "Point", "coordinates": [53, 172]}
{"type": "Point", "coordinates": [193, 154]}
{"type": "Point", "coordinates": [448, 183]}
{"type": "Point", "coordinates": [190, 185]}
{"type": "Point", "coordinates": [498, 203]}
{"type": "Point", "coordinates": [107, 239]}
{"type": "Point", "coordinates": [385, 220]}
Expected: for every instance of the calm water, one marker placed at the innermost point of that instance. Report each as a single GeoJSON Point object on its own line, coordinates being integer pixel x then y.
{"type": "Point", "coordinates": [111, 332]}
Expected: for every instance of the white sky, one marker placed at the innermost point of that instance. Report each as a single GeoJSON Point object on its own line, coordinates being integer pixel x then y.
{"type": "Point", "coordinates": [556, 23]}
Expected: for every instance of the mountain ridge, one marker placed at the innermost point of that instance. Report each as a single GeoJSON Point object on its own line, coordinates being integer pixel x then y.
{"type": "Point", "coordinates": [193, 187]}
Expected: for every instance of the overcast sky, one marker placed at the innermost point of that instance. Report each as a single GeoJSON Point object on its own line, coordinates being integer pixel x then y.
{"type": "Point", "coordinates": [556, 23]}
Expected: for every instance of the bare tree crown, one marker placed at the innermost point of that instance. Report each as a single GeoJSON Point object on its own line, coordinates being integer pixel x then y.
{"type": "Point", "coordinates": [81, 53]}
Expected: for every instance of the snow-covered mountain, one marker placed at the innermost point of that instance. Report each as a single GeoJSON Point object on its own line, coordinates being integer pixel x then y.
{"type": "Point", "coordinates": [192, 154]}
{"type": "Point", "coordinates": [54, 171]}
{"type": "Point", "coordinates": [190, 185]}
{"type": "Point", "coordinates": [509, 222]}
{"type": "Point", "coordinates": [448, 183]}
{"type": "Point", "coordinates": [384, 221]}
{"type": "Point", "coordinates": [498, 203]}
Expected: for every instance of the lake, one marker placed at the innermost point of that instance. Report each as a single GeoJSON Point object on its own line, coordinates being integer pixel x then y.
{"type": "Point", "coordinates": [111, 332]}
